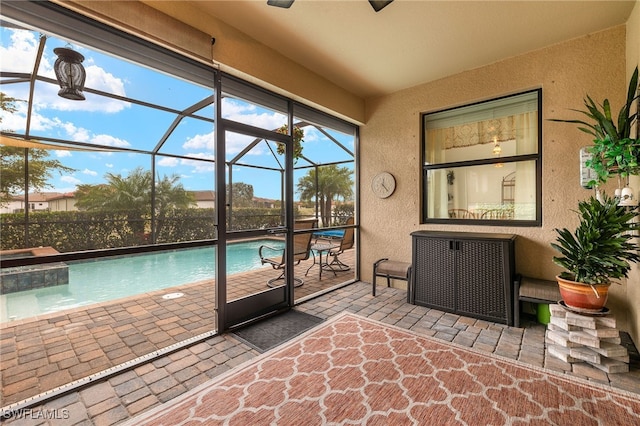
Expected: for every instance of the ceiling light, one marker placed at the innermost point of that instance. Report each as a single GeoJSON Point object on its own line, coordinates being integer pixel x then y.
{"type": "Point", "coordinates": [286, 4]}
{"type": "Point", "coordinates": [70, 73]}
{"type": "Point", "coordinates": [378, 5]}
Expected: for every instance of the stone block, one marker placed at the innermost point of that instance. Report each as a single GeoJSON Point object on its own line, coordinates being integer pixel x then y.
{"type": "Point", "coordinates": [585, 339]}
{"type": "Point", "coordinates": [609, 365]}
{"type": "Point", "coordinates": [561, 338]}
{"type": "Point", "coordinates": [561, 323]}
{"type": "Point", "coordinates": [581, 320]}
{"type": "Point", "coordinates": [585, 354]}
{"type": "Point", "coordinates": [561, 352]}
{"type": "Point", "coordinates": [611, 350]}
{"type": "Point", "coordinates": [608, 321]}
{"type": "Point", "coordinates": [604, 332]}
{"type": "Point", "coordinates": [614, 340]}
{"type": "Point", "coordinates": [557, 311]}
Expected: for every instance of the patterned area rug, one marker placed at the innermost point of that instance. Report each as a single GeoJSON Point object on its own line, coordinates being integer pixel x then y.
{"type": "Point", "coordinates": [353, 370]}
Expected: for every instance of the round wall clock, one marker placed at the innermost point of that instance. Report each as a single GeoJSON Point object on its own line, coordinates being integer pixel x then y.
{"type": "Point", "coordinates": [383, 184]}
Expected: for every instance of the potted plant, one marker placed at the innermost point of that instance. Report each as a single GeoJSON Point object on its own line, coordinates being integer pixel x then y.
{"type": "Point", "coordinates": [614, 151]}
{"type": "Point", "coordinates": [597, 252]}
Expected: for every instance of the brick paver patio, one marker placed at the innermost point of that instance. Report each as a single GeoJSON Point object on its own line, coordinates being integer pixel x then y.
{"type": "Point", "coordinates": [41, 354]}
{"type": "Point", "coordinates": [120, 396]}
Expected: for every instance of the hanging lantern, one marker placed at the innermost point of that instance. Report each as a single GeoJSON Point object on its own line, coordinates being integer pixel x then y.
{"type": "Point", "coordinates": [70, 73]}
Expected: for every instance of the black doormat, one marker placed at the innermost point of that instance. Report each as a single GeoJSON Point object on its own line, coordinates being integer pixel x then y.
{"type": "Point", "coordinates": [271, 332]}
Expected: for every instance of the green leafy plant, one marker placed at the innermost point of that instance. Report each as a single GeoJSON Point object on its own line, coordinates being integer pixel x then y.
{"type": "Point", "coordinates": [614, 151]}
{"type": "Point", "coordinates": [601, 247]}
{"type": "Point", "coordinates": [298, 139]}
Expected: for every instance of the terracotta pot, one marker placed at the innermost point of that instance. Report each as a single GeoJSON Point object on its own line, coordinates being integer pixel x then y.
{"type": "Point", "coordinates": [583, 296]}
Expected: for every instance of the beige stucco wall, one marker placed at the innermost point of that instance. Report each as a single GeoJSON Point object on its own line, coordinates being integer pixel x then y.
{"type": "Point", "coordinates": [390, 141]}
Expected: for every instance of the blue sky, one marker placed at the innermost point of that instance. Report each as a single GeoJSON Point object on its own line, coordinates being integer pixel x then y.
{"type": "Point", "coordinates": [118, 124]}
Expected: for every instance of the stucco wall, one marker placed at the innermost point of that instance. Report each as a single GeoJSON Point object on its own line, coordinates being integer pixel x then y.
{"type": "Point", "coordinates": [594, 64]}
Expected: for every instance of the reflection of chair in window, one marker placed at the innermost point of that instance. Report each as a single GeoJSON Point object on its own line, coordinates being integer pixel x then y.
{"type": "Point", "coordinates": [345, 244]}
{"type": "Point", "coordinates": [461, 214]}
{"type": "Point", "coordinates": [504, 214]}
{"type": "Point", "coordinates": [301, 249]}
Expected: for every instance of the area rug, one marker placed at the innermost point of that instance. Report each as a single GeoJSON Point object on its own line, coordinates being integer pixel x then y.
{"type": "Point", "coordinates": [274, 331]}
{"type": "Point", "coordinates": [354, 370]}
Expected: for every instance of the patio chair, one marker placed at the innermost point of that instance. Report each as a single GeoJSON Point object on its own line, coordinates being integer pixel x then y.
{"type": "Point", "coordinates": [345, 243]}
{"type": "Point", "coordinates": [277, 257]}
{"type": "Point", "coordinates": [461, 214]}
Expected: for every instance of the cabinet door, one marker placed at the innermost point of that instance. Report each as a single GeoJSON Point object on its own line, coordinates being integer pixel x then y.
{"type": "Point", "coordinates": [433, 268]}
{"type": "Point", "coordinates": [481, 280]}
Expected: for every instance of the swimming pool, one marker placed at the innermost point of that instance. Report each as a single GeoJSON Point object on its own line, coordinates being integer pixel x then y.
{"type": "Point", "coordinates": [107, 279]}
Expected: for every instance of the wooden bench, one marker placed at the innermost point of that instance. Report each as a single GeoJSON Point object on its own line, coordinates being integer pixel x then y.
{"type": "Point", "coordinates": [391, 269]}
{"type": "Point", "coordinates": [534, 290]}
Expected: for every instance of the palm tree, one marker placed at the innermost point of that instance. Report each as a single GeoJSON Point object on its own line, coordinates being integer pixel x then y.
{"type": "Point", "coordinates": [132, 196]}
{"type": "Point", "coordinates": [332, 183]}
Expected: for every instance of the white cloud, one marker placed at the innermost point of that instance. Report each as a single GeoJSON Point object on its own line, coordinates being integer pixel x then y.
{"type": "Point", "coordinates": [89, 172]}
{"type": "Point", "coordinates": [199, 166]}
{"type": "Point", "coordinates": [62, 153]}
{"type": "Point", "coordinates": [19, 56]}
{"type": "Point", "coordinates": [20, 53]}
{"type": "Point", "coordinates": [200, 141]}
{"type": "Point", "coordinates": [71, 180]}
{"type": "Point", "coordinates": [108, 140]}
{"type": "Point", "coordinates": [168, 162]}
{"type": "Point", "coordinates": [247, 113]}
{"type": "Point", "coordinates": [109, 165]}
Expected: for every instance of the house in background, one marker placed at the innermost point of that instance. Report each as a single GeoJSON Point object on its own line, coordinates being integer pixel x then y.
{"type": "Point", "coordinates": [38, 201]}
{"type": "Point", "coordinates": [63, 203]}
{"type": "Point", "coordinates": [205, 199]}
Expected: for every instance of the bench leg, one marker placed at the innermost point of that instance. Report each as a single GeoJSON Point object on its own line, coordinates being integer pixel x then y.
{"type": "Point", "coordinates": [375, 272]}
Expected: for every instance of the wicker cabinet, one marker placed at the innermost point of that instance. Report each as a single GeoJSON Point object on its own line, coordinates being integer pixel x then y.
{"type": "Point", "coordinates": [469, 274]}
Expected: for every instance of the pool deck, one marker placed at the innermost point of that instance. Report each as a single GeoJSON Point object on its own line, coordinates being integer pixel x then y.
{"type": "Point", "coordinates": [42, 353]}
{"type": "Point", "coordinates": [47, 352]}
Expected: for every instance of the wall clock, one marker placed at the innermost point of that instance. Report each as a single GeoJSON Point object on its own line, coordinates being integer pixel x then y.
{"type": "Point", "coordinates": [383, 184]}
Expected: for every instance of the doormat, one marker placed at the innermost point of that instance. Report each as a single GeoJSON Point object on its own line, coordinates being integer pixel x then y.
{"type": "Point", "coordinates": [274, 331]}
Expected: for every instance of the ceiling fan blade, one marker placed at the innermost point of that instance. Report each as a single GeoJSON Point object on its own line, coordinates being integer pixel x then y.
{"type": "Point", "coordinates": [286, 4]}
{"type": "Point", "coordinates": [378, 5]}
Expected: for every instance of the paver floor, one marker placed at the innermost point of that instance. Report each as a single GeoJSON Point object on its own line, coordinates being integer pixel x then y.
{"type": "Point", "coordinates": [131, 392]}
{"type": "Point", "coordinates": [43, 353]}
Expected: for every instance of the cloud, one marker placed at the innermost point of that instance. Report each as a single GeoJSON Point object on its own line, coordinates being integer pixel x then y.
{"type": "Point", "coordinates": [246, 113]}
{"type": "Point", "coordinates": [108, 140]}
{"type": "Point", "coordinates": [89, 172]}
{"type": "Point", "coordinates": [62, 153]}
{"type": "Point", "coordinates": [108, 165]}
{"type": "Point", "coordinates": [206, 141]}
{"type": "Point", "coordinates": [71, 180]}
{"type": "Point", "coordinates": [168, 162]}
{"type": "Point", "coordinates": [21, 52]}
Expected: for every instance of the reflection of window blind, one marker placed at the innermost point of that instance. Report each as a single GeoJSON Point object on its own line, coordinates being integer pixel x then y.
{"type": "Point", "coordinates": [488, 122]}
{"type": "Point", "coordinates": [481, 132]}
{"type": "Point", "coordinates": [519, 104]}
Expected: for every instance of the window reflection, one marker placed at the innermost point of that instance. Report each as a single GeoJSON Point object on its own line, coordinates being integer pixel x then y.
{"type": "Point", "coordinates": [481, 161]}
{"type": "Point", "coordinates": [496, 191]}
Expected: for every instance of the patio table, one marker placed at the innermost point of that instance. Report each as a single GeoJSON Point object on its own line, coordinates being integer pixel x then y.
{"type": "Point", "coordinates": [322, 260]}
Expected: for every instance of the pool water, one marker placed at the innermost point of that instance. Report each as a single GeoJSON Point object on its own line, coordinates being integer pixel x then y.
{"type": "Point", "coordinates": [102, 280]}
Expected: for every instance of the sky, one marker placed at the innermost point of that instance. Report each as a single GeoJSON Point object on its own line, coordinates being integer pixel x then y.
{"type": "Point", "coordinates": [119, 124]}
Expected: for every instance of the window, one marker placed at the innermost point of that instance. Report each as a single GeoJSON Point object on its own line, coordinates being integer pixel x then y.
{"type": "Point", "coordinates": [481, 163]}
